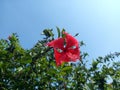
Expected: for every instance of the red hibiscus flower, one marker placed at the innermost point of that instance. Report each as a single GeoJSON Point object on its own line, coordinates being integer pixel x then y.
{"type": "Point", "coordinates": [65, 49]}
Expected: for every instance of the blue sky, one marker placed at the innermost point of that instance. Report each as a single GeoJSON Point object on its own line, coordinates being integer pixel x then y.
{"type": "Point", "coordinates": [97, 21]}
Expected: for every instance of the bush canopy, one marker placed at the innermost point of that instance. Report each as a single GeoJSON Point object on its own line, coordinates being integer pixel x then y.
{"type": "Point", "coordinates": [35, 68]}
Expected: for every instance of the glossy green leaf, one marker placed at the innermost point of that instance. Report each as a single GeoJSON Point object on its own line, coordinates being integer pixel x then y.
{"type": "Point", "coordinates": [58, 31]}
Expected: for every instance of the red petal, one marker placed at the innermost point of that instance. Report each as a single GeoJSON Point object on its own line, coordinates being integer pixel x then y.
{"type": "Point", "coordinates": [70, 41]}
{"type": "Point", "coordinates": [60, 57]}
{"type": "Point", "coordinates": [58, 43]}
{"type": "Point", "coordinates": [73, 54]}
{"type": "Point", "coordinates": [69, 53]}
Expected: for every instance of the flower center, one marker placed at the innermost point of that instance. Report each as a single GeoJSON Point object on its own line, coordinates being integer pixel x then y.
{"type": "Point", "coordinates": [65, 49]}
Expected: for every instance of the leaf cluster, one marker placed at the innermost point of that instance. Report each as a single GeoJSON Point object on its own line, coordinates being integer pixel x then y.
{"type": "Point", "coordinates": [35, 69]}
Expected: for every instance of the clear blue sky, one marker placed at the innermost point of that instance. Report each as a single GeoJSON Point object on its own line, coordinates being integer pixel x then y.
{"type": "Point", "coordinates": [97, 21]}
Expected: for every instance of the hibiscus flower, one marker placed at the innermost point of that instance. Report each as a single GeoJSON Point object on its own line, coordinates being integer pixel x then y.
{"type": "Point", "coordinates": [66, 49]}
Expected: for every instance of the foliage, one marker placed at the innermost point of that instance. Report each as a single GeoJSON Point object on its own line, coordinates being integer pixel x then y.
{"type": "Point", "coordinates": [35, 69]}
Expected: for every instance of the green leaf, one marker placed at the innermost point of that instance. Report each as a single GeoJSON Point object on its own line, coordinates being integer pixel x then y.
{"type": "Point", "coordinates": [1, 64]}
{"type": "Point", "coordinates": [68, 68]}
{"type": "Point", "coordinates": [48, 32]}
{"type": "Point", "coordinates": [63, 30]}
{"type": "Point", "coordinates": [63, 35]}
{"type": "Point", "coordinates": [76, 34]}
{"type": "Point", "coordinates": [58, 30]}
{"type": "Point", "coordinates": [25, 61]}
{"type": "Point", "coordinates": [19, 69]}
{"type": "Point", "coordinates": [82, 43]}
{"type": "Point", "coordinates": [94, 64]}
{"type": "Point", "coordinates": [52, 71]}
